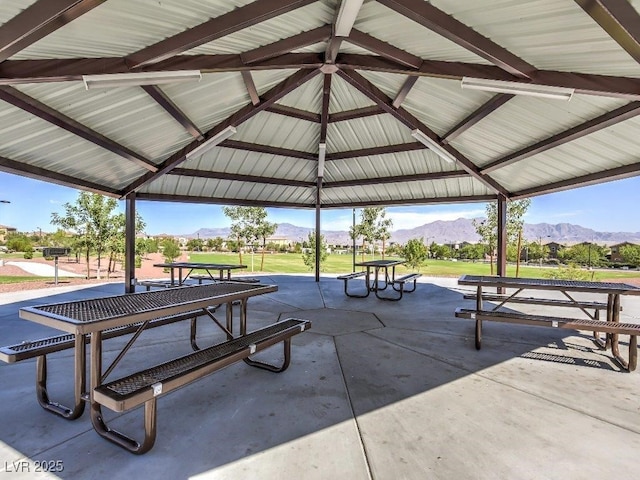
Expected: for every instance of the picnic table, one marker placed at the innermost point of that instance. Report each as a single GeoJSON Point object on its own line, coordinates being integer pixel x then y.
{"type": "Point", "coordinates": [568, 288]}
{"type": "Point", "coordinates": [373, 282]}
{"type": "Point", "coordinates": [89, 321]}
{"type": "Point", "coordinates": [223, 269]}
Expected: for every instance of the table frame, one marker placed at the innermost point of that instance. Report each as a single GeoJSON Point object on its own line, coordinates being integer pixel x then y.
{"type": "Point", "coordinates": [191, 266]}
{"type": "Point", "coordinates": [376, 266]}
{"type": "Point", "coordinates": [613, 291]}
{"type": "Point", "coordinates": [200, 297]}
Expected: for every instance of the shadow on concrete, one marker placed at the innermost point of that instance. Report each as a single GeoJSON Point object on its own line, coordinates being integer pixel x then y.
{"type": "Point", "coordinates": [376, 389]}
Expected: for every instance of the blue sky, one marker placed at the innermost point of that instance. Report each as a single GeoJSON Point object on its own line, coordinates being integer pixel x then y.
{"type": "Point", "coordinates": [608, 207]}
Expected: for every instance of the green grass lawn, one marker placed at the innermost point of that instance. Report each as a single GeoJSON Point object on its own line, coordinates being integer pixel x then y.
{"type": "Point", "coordinates": [337, 264]}
{"type": "Point", "coordinates": [292, 263]}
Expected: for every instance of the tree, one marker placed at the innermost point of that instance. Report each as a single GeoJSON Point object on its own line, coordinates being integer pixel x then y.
{"type": "Point", "coordinates": [383, 229]}
{"type": "Point", "coordinates": [488, 228]}
{"type": "Point", "coordinates": [264, 230]}
{"type": "Point", "coordinates": [195, 244]}
{"type": "Point", "coordinates": [170, 250]}
{"type": "Point", "coordinates": [631, 254]}
{"type": "Point", "coordinates": [248, 224]}
{"type": "Point", "coordinates": [309, 254]}
{"type": "Point", "coordinates": [92, 219]}
{"type": "Point", "coordinates": [215, 244]}
{"type": "Point", "coordinates": [415, 253]}
{"type": "Point", "coordinates": [368, 228]}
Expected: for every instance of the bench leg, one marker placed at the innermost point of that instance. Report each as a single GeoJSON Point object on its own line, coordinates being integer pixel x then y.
{"type": "Point", "coordinates": [354, 295]}
{"type": "Point", "coordinates": [123, 440]}
{"type": "Point", "coordinates": [402, 288]}
{"type": "Point", "coordinates": [79, 383]}
{"type": "Point", "coordinates": [273, 368]}
{"type": "Point", "coordinates": [478, 334]}
{"type": "Point", "coordinates": [392, 299]}
{"type": "Point", "coordinates": [632, 363]}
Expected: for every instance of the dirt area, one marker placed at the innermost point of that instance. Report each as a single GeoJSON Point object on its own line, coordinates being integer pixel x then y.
{"type": "Point", "coordinates": [146, 271]}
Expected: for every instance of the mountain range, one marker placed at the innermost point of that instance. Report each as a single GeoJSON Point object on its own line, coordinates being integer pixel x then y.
{"type": "Point", "coordinates": [455, 231]}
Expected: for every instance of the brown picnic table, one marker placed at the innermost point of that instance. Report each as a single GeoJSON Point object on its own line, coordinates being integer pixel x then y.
{"type": "Point", "coordinates": [89, 321]}
{"type": "Point", "coordinates": [611, 326]}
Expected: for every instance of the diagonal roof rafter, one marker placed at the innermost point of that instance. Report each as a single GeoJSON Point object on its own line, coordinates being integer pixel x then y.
{"type": "Point", "coordinates": [599, 123]}
{"type": "Point", "coordinates": [269, 98]}
{"type": "Point", "coordinates": [38, 173]}
{"type": "Point", "coordinates": [39, 20]}
{"type": "Point", "coordinates": [375, 94]}
{"type": "Point", "coordinates": [40, 110]}
{"type": "Point", "coordinates": [619, 19]}
{"type": "Point", "coordinates": [231, 22]}
{"type": "Point", "coordinates": [172, 109]}
{"type": "Point", "coordinates": [445, 25]}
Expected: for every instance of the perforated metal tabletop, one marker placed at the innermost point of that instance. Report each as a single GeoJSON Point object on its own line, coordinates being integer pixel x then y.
{"type": "Point", "coordinates": [84, 316]}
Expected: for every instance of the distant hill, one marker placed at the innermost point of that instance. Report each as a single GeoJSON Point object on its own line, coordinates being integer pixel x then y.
{"type": "Point", "coordinates": [460, 230]}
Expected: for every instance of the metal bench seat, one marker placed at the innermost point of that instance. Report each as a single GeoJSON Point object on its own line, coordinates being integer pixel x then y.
{"type": "Point", "coordinates": [398, 285]}
{"type": "Point", "coordinates": [551, 302]}
{"type": "Point", "coordinates": [610, 328]}
{"type": "Point", "coordinates": [40, 348]}
{"type": "Point", "coordinates": [350, 276]}
{"type": "Point", "coordinates": [146, 386]}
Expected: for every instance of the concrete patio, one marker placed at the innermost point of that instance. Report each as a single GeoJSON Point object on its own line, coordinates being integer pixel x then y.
{"type": "Point", "coordinates": [376, 389]}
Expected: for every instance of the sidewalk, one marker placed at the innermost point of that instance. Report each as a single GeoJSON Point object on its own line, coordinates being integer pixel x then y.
{"type": "Point", "coordinates": [42, 270]}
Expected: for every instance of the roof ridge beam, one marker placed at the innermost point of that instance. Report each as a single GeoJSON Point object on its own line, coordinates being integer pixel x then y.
{"type": "Point", "coordinates": [407, 119]}
{"type": "Point", "coordinates": [39, 20]}
{"type": "Point", "coordinates": [218, 27]}
{"type": "Point", "coordinates": [599, 123]}
{"type": "Point", "coordinates": [31, 105]}
{"type": "Point", "coordinates": [447, 26]}
{"type": "Point", "coordinates": [583, 83]}
{"type": "Point", "coordinates": [245, 113]}
{"type": "Point", "coordinates": [72, 69]}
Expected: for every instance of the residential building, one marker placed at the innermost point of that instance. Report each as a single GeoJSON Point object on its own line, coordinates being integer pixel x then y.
{"type": "Point", "coordinates": [4, 231]}
{"type": "Point", "coordinates": [615, 251]}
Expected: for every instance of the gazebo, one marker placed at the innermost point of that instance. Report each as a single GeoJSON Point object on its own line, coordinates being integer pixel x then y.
{"type": "Point", "coordinates": [320, 103]}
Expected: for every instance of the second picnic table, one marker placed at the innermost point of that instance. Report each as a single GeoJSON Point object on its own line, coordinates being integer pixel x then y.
{"type": "Point", "coordinates": [223, 269]}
